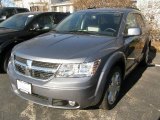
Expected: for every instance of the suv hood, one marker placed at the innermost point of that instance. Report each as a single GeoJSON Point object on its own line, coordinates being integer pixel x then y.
{"type": "Point", "coordinates": [63, 47]}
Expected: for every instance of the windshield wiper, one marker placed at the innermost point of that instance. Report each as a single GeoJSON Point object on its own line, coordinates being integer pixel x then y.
{"type": "Point", "coordinates": [79, 31]}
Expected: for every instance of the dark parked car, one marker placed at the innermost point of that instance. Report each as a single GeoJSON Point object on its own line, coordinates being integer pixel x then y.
{"type": "Point", "coordinates": [24, 26]}
{"type": "Point", "coordinates": [82, 63]}
{"type": "Point", "coordinates": [7, 12]}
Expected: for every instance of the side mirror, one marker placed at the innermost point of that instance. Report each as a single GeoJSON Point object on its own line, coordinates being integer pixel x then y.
{"type": "Point", "coordinates": [35, 27]}
{"type": "Point", "coordinates": [134, 32]}
{"type": "Point", "coordinates": [2, 18]}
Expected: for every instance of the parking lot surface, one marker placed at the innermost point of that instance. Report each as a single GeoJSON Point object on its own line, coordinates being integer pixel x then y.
{"type": "Point", "coordinates": [140, 100]}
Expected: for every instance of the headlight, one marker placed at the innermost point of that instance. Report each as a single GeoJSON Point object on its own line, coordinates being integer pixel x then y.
{"type": "Point", "coordinates": [78, 70]}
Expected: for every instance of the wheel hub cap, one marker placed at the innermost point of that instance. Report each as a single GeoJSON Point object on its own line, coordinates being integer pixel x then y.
{"type": "Point", "coordinates": [114, 87]}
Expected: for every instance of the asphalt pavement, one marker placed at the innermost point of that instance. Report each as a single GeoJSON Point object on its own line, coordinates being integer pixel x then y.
{"type": "Point", "coordinates": [140, 100]}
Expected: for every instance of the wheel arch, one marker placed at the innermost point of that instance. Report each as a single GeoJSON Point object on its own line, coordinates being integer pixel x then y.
{"type": "Point", "coordinates": [6, 48]}
{"type": "Point", "coordinates": [116, 59]}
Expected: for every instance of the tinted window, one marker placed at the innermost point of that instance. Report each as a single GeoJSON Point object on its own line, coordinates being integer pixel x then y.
{"type": "Point", "coordinates": [10, 12]}
{"type": "Point", "coordinates": [44, 22]}
{"type": "Point", "coordinates": [59, 17]}
{"type": "Point", "coordinates": [20, 10]}
{"type": "Point", "coordinates": [98, 23]}
{"type": "Point", "coordinates": [17, 22]}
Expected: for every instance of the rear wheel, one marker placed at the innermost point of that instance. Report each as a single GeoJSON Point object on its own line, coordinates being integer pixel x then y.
{"type": "Point", "coordinates": [113, 87]}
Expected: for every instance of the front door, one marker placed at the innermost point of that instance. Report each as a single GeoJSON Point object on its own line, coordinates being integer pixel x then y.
{"type": "Point", "coordinates": [133, 44]}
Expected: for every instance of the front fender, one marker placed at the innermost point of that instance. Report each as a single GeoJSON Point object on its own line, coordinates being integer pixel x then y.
{"type": "Point", "coordinates": [9, 44]}
{"type": "Point", "coordinates": [111, 61]}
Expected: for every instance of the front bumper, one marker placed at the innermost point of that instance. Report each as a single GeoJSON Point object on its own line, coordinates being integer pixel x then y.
{"type": "Point", "coordinates": [80, 90]}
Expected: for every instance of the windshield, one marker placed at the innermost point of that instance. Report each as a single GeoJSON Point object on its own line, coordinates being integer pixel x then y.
{"type": "Point", "coordinates": [17, 22]}
{"type": "Point", "coordinates": [98, 23]}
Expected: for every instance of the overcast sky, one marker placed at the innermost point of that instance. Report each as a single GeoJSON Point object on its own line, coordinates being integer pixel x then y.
{"type": "Point", "coordinates": [8, 3]}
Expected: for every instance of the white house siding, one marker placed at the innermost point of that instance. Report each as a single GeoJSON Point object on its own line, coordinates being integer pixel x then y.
{"type": "Point", "coordinates": [18, 3]}
{"type": "Point", "coordinates": [66, 6]}
{"type": "Point", "coordinates": [34, 3]}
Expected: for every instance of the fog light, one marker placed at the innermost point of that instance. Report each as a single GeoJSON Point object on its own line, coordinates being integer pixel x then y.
{"type": "Point", "coordinates": [72, 103]}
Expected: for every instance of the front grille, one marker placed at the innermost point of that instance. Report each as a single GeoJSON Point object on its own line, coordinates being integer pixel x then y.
{"type": "Point", "coordinates": [44, 64]}
{"type": "Point", "coordinates": [35, 69]}
{"type": "Point", "coordinates": [20, 68]}
{"type": "Point", "coordinates": [41, 74]}
{"type": "Point", "coordinates": [21, 60]}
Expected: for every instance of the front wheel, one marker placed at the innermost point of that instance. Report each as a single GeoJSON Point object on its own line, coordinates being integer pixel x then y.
{"type": "Point", "coordinates": [113, 87]}
{"type": "Point", "coordinates": [5, 61]}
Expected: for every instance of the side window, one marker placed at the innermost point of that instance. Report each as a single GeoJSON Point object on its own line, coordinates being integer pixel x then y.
{"type": "Point", "coordinates": [48, 22]}
{"type": "Point", "coordinates": [140, 21]}
{"type": "Point", "coordinates": [22, 10]}
{"type": "Point", "coordinates": [59, 17]}
{"type": "Point", "coordinates": [10, 12]}
{"type": "Point", "coordinates": [4, 13]}
{"type": "Point", "coordinates": [130, 22]}
{"type": "Point", "coordinates": [43, 22]}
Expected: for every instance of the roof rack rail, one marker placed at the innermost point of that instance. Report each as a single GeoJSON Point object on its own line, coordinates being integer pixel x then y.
{"type": "Point", "coordinates": [92, 7]}
{"type": "Point", "coordinates": [133, 8]}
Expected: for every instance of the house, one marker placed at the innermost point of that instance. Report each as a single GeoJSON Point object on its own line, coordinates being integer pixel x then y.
{"type": "Point", "coordinates": [150, 8]}
{"type": "Point", "coordinates": [34, 5]}
{"type": "Point", "coordinates": [46, 5]}
{"type": "Point", "coordinates": [63, 6]}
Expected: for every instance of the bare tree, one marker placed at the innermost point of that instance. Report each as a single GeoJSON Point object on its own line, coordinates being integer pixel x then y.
{"type": "Point", "coordinates": [84, 4]}
{"type": "Point", "coordinates": [0, 3]}
{"type": "Point", "coordinates": [151, 12]}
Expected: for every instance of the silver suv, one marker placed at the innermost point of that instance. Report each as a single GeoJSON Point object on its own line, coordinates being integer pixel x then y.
{"type": "Point", "coordinates": [83, 61]}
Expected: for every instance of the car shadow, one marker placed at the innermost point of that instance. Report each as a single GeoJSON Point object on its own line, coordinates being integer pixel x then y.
{"type": "Point", "coordinates": [2, 72]}
{"type": "Point", "coordinates": [136, 74]}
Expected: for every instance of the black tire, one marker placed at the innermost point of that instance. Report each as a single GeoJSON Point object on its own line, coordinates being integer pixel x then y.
{"type": "Point", "coordinates": [5, 61]}
{"type": "Point", "coordinates": [145, 59]}
{"type": "Point", "coordinates": [106, 103]}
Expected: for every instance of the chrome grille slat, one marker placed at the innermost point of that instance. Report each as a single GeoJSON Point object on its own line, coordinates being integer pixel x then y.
{"type": "Point", "coordinates": [35, 69]}
{"type": "Point", "coordinates": [44, 69]}
{"type": "Point", "coordinates": [20, 69]}
{"type": "Point", "coordinates": [44, 64]}
{"type": "Point", "coordinates": [20, 60]}
{"type": "Point", "coordinates": [40, 74]}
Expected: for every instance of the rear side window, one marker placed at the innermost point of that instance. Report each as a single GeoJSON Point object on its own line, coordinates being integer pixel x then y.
{"type": "Point", "coordinates": [21, 10]}
{"type": "Point", "coordinates": [44, 22]}
{"type": "Point", "coordinates": [59, 17]}
{"type": "Point", "coordinates": [9, 12]}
